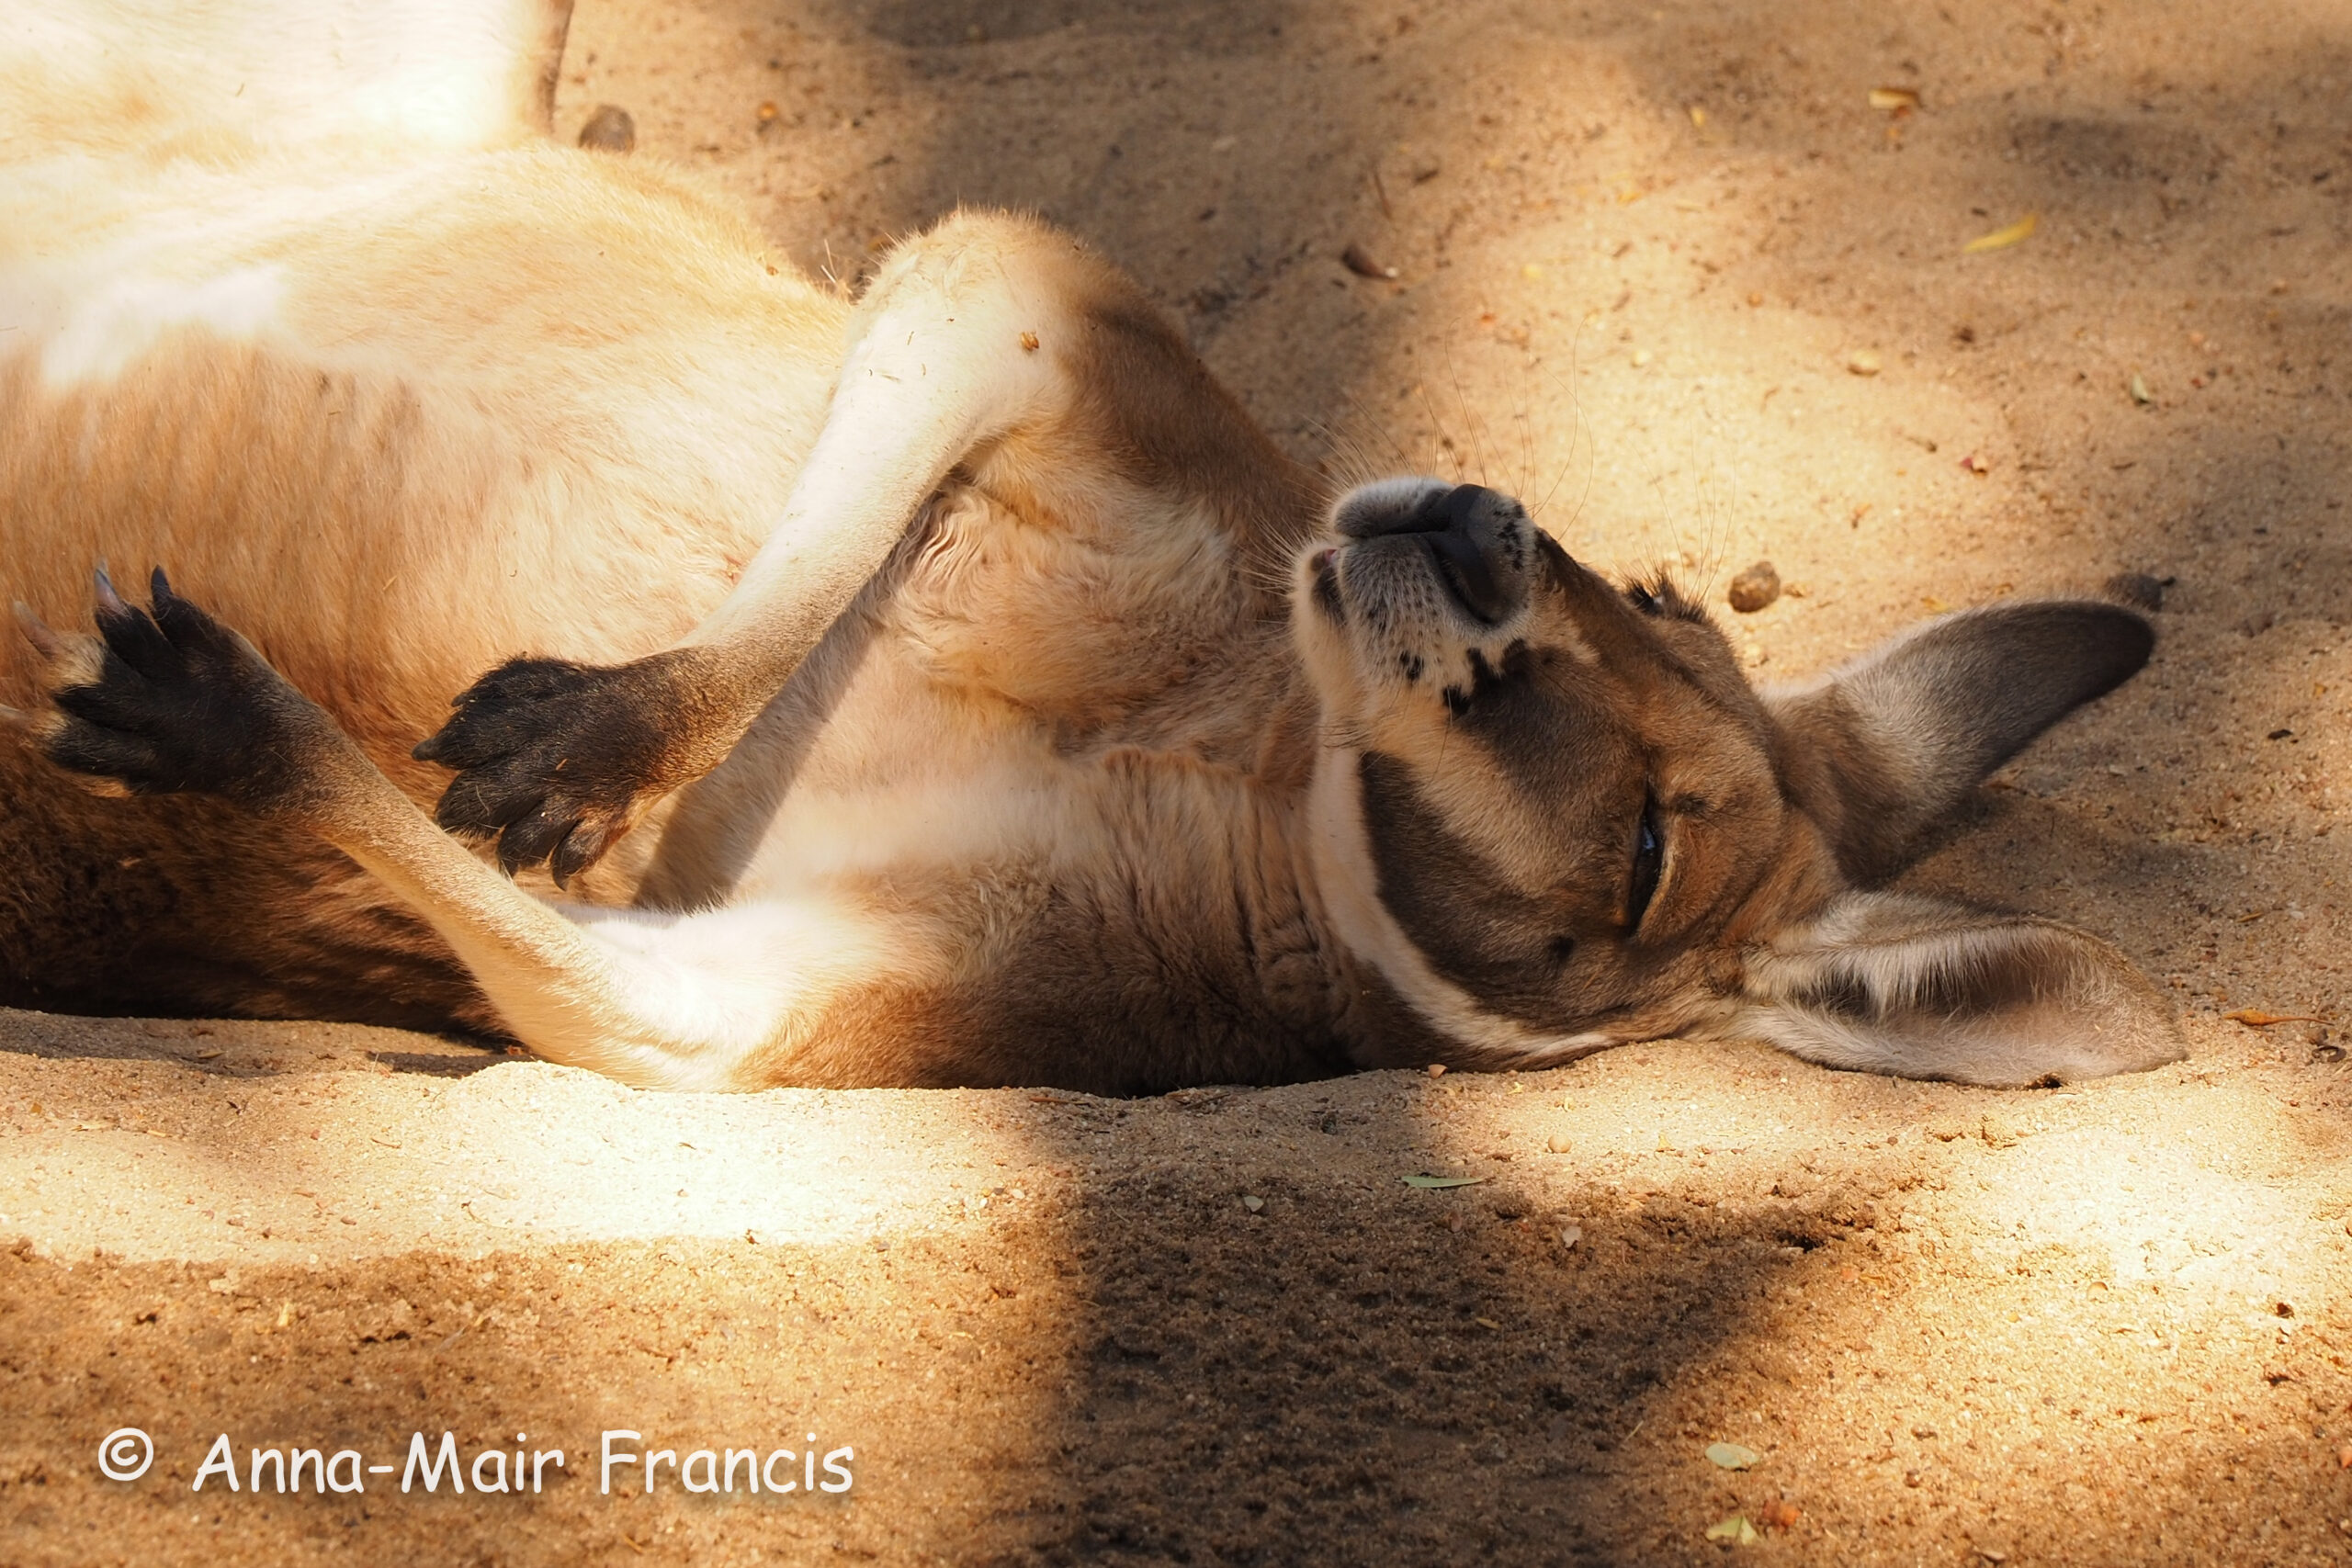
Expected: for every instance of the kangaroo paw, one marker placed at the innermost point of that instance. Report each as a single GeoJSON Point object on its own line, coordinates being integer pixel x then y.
{"type": "Point", "coordinates": [167, 700]}
{"type": "Point", "coordinates": [557, 759]}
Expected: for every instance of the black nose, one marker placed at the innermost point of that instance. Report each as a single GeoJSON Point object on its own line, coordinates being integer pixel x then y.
{"type": "Point", "coordinates": [1442, 521]}
{"type": "Point", "coordinates": [1457, 528]}
{"type": "Point", "coordinates": [1436, 512]}
{"type": "Point", "coordinates": [1461, 567]}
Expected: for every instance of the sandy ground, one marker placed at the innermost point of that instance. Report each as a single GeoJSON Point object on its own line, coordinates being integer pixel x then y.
{"type": "Point", "coordinates": [1639, 250]}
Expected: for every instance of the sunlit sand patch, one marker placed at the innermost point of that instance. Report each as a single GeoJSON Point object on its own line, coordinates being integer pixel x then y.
{"type": "Point", "coordinates": [1929, 1306]}
{"type": "Point", "coordinates": [332, 1154]}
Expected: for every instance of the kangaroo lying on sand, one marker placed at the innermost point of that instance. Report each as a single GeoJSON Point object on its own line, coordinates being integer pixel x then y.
{"type": "Point", "coordinates": [953, 687]}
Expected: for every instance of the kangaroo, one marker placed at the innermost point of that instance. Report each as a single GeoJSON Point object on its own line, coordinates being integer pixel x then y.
{"type": "Point", "coordinates": [951, 686]}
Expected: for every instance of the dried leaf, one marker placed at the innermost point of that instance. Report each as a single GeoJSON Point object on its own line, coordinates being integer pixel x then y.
{"type": "Point", "coordinates": [2254, 1018]}
{"type": "Point", "coordinates": [1779, 1514]}
{"type": "Point", "coordinates": [1731, 1456]}
{"type": "Point", "coordinates": [1733, 1531]}
{"type": "Point", "coordinates": [1893, 99]}
{"type": "Point", "coordinates": [1433, 1182]}
{"type": "Point", "coordinates": [2002, 239]}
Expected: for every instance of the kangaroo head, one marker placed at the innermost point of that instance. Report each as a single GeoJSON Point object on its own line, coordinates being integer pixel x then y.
{"type": "Point", "coordinates": [1555, 815]}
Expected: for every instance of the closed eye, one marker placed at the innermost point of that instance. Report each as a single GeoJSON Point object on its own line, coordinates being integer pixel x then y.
{"type": "Point", "coordinates": [1649, 860]}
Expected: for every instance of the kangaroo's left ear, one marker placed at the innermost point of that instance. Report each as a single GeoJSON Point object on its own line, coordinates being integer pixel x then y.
{"type": "Point", "coordinates": [1926, 988]}
{"type": "Point", "coordinates": [1882, 748]}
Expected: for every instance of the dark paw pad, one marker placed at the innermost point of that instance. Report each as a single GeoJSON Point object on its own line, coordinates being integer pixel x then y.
{"type": "Point", "coordinates": [558, 760]}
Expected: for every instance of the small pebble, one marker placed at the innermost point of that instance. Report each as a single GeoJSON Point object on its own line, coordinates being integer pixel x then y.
{"type": "Point", "coordinates": [1571, 1235]}
{"type": "Point", "coordinates": [1253, 1203]}
{"type": "Point", "coordinates": [1862, 362]}
{"type": "Point", "coordinates": [1641, 358]}
{"type": "Point", "coordinates": [609, 129]}
{"type": "Point", "coordinates": [1755, 588]}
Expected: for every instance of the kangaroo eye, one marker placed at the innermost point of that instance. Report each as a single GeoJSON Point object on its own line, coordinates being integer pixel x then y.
{"type": "Point", "coordinates": [1649, 859]}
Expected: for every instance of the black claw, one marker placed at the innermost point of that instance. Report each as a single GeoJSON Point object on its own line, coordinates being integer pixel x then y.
{"type": "Point", "coordinates": [188, 628]}
{"type": "Point", "coordinates": [532, 838]}
{"type": "Point", "coordinates": [575, 855]}
{"type": "Point", "coordinates": [45, 640]}
{"type": "Point", "coordinates": [109, 601]}
{"type": "Point", "coordinates": [131, 636]}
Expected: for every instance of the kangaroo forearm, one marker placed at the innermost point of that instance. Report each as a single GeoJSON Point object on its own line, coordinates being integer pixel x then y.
{"type": "Point", "coordinates": [567, 996]}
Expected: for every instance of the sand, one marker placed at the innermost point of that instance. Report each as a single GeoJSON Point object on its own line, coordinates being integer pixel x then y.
{"type": "Point", "coordinates": [1644, 257]}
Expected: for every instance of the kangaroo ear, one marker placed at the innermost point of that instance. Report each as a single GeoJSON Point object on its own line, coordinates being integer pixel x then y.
{"type": "Point", "coordinates": [1879, 750]}
{"type": "Point", "coordinates": [1924, 989]}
